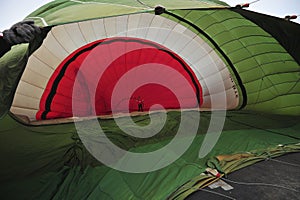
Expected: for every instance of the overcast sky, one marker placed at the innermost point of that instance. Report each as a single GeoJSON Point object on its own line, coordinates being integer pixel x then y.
{"type": "Point", "coordinates": [13, 11]}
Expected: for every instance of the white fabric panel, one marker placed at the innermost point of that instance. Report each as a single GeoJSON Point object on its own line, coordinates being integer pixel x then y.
{"type": "Point", "coordinates": [200, 41]}
{"type": "Point", "coordinates": [179, 28]}
{"type": "Point", "coordinates": [217, 60]}
{"type": "Point", "coordinates": [231, 100]}
{"type": "Point", "coordinates": [63, 37]}
{"type": "Point", "coordinates": [164, 28]}
{"type": "Point", "coordinates": [35, 64]}
{"type": "Point", "coordinates": [216, 88]}
{"type": "Point", "coordinates": [204, 89]}
{"type": "Point", "coordinates": [154, 28]}
{"type": "Point", "coordinates": [218, 63]}
{"type": "Point", "coordinates": [205, 66]}
{"type": "Point", "coordinates": [161, 36]}
{"type": "Point", "coordinates": [29, 90]}
{"type": "Point", "coordinates": [196, 71]}
{"type": "Point", "coordinates": [143, 26]}
{"type": "Point", "coordinates": [22, 101]}
{"type": "Point", "coordinates": [190, 49]}
{"type": "Point", "coordinates": [210, 70]}
{"type": "Point", "coordinates": [146, 20]}
{"type": "Point", "coordinates": [228, 84]}
{"type": "Point", "coordinates": [152, 33]}
{"type": "Point", "coordinates": [215, 79]}
{"type": "Point", "coordinates": [171, 41]}
{"type": "Point", "coordinates": [133, 23]}
{"type": "Point", "coordinates": [110, 26]}
{"type": "Point", "coordinates": [194, 56]}
{"type": "Point", "coordinates": [99, 29]}
{"type": "Point", "coordinates": [45, 56]}
{"type": "Point", "coordinates": [206, 102]}
{"type": "Point", "coordinates": [75, 34]}
{"type": "Point", "coordinates": [87, 31]}
{"type": "Point", "coordinates": [167, 24]}
{"type": "Point", "coordinates": [39, 80]}
{"type": "Point", "coordinates": [55, 47]}
{"type": "Point", "coordinates": [191, 34]}
{"type": "Point", "coordinates": [30, 113]}
{"type": "Point", "coordinates": [157, 22]}
{"type": "Point", "coordinates": [121, 24]}
{"type": "Point", "coordinates": [180, 44]}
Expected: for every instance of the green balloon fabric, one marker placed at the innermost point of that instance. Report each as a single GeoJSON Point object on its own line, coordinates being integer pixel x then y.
{"type": "Point", "coordinates": [228, 53]}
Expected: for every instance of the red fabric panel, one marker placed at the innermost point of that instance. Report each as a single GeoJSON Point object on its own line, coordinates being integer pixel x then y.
{"type": "Point", "coordinates": [116, 59]}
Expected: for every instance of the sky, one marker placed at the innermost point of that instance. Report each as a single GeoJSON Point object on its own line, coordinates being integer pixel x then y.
{"type": "Point", "coordinates": [13, 11]}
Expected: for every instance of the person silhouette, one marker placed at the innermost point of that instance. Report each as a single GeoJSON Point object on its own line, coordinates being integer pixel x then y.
{"type": "Point", "coordinates": [140, 103]}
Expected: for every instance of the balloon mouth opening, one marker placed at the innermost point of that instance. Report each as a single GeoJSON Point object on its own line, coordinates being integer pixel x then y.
{"type": "Point", "coordinates": [58, 67]}
{"type": "Point", "coordinates": [145, 72]}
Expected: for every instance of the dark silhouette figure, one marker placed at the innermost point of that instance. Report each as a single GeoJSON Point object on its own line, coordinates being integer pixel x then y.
{"type": "Point", "coordinates": [140, 103]}
{"type": "Point", "coordinates": [21, 32]}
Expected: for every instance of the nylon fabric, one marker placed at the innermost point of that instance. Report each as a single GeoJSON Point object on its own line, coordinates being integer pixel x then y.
{"type": "Point", "coordinates": [58, 168]}
{"type": "Point", "coordinates": [286, 32]}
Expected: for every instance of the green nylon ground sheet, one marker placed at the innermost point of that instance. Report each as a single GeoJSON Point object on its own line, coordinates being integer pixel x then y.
{"type": "Point", "coordinates": [49, 162]}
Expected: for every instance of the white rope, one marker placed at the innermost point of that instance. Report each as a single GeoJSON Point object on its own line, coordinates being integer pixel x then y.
{"type": "Point", "coordinates": [217, 193]}
{"type": "Point", "coordinates": [260, 184]}
{"type": "Point", "coordinates": [283, 162]}
{"type": "Point", "coordinates": [254, 1]}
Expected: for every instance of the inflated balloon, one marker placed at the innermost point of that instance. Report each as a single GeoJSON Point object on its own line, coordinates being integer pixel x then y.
{"type": "Point", "coordinates": [97, 59]}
